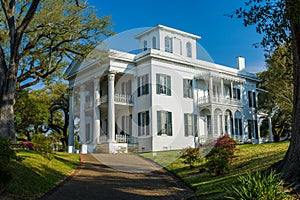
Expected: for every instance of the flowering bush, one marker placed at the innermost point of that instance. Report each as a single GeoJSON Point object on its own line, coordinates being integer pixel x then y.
{"type": "Point", "coordinates": [221, 155]}
{"type": "Point", "coordinates": [43, 144]}
{"type": "Point", "coordinates": [27, 145]}
{"type": "Point", "coordinates": [190, 156]}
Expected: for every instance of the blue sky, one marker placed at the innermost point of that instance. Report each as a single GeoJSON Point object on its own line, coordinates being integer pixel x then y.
{"type": "Point", "coordinates": [222, 37]}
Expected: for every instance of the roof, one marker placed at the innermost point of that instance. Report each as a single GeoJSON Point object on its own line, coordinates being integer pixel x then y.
{"type": "Point", "coordinates": [159, 26]}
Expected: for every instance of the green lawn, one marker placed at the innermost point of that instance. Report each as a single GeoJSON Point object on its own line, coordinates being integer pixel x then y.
{"type": "Point", "coordinates": [247, 158]}
{"type": "Point", "coordinates": [35, 175]}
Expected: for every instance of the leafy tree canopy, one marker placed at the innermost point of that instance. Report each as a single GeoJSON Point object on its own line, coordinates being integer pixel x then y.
{"type": "Point", "coordinates": [59, 32]}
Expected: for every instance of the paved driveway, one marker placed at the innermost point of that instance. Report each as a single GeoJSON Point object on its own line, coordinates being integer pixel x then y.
{"type": "Point", "coordinates": [119, 176]}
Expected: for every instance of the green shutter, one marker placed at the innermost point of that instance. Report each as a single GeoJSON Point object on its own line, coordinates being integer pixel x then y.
{"type": "Point", "coordinates": [147, 123]}
{"type": "Point", "coordinates": [139, 124]}
{"type": "Point", "coordinates": [196, 126]}
{"type": "Point", "coordinates": [139, 88]}
{"type": "Point", "coordinates": [186, 125]}
{"type": "Point", "coordinates": [250, 99]}
{"type": "Point", "coordinates": [158, 122]}
{"type": "Point", "coordinates": [254, 99]}
{"type": "Point", "coordinates": [169, 123]}
{"type": "Point", "coordinates": [169, 85]}
{"type": "Point", "coordinates": [184, 88]}
{"type": "Point", "coordinates": [157, 83]}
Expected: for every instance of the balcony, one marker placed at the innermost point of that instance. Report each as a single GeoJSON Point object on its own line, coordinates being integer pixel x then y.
{"type": "Point", "coordinates": [119, 99]}
{"type": "Point", "coordinates": [219, 100]}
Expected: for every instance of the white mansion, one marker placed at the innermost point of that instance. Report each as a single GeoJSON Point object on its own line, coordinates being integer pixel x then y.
{"type": "Point", "coordinates": [162, 98]}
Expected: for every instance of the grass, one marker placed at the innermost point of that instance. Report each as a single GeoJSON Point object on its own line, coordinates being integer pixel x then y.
{"type": "Point", "coordinates": [248, 158]}
{"type": "Point", "coordinates": [36, 175]}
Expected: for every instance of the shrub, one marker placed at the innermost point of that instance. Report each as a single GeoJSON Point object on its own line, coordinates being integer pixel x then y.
{"type": "Point", "coordinates": [220, 157]}
{"type": "Point", "coordinates": [27, 145]}
{"type": "Point", "coordinates": [43, 144]}
{"type": "Point", "coordinates": [190, 156]}
{"type": "Point", "coordinates": [258, 185]}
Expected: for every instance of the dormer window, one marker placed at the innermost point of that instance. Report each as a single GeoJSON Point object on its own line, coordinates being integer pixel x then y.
{"type": "Point", "coordinates": [189, 49]}
{"type": "Point", "coordinates": [154, 43]}
{"type": "Point", "coordinates": [145, 45]}
{"type": "Point", "coordinates": [168, 44]}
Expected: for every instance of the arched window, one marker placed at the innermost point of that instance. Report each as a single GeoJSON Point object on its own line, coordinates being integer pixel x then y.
{"type": "Point", "coordinates": [168, 44]}
{"type": "Point", "coordinates": [154, 42]}
{"type": "Point", "coordinates": [145, 45]}
{"type": "Point", "coordinates": [189, 49]}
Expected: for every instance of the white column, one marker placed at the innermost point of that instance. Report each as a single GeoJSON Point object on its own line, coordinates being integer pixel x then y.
{"type": "Point", "coordinates": [211, 89]}
{"type": "Point", "coordinates": [213, 122]}
{"type": "Point", "coordinates": [71, 124]}
{"type": "Point", "coordinates": [231, 88]}
{"type": "Point", "coordinates": [82, 114]}
{"type": "Point", "coordinates": [233, 125]}
{"type": "Point", "coordinates": [134, 118]}
{"type": "Point", "coordinates": [96, 122]}
{"type": "Point", "coordinates": [271, 139]}
{"type": "Point", "coordinates": [222, 90]}
{"type": "Point", "coordinates": [223, 123]}
{"type": "Point", "coordinates": [258, 129]}
{"type": "Point", "coordinates": [111, 107]}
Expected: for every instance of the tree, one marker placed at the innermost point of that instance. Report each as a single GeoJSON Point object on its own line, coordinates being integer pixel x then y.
{"type": "Point", "coordinates": [277, 80]}
{"type": "Point", "coordinates": [38, 39]}
{"type": "Point", "coordinates": [43, 111]}
{"type": "Point", "coordinates": [280, 23]}
{"type": "Point", "coordinates": [59, 111]}
{"type": "Point", "coordinates": [31, 112]}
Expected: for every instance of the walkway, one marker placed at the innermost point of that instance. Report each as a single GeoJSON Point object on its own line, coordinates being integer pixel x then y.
{"type": "Point", "coordinates": [120, 176]}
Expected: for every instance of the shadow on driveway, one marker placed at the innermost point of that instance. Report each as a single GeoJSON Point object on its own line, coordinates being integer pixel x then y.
{"type": "Point", "coordinates": [123, 176]}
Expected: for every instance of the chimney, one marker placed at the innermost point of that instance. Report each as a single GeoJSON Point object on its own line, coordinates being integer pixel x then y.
{"type": "Point", "coordinates": [240, 63]}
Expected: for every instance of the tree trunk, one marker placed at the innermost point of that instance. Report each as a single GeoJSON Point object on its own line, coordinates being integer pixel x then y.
{"type": "Point", "coordinates": [7, 102]}
{"type": "Point", "coordinates": [290, 166]}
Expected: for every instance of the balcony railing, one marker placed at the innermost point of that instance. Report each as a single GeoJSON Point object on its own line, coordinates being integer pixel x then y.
{"type": "Point", "coordinates": [123, 139]}
{"type": "Point", "coordinates": [119, 138]}
{"type": "Point", "coordinates": [220, 100]}
{"type": "Point", "coordinates": [119, 98]}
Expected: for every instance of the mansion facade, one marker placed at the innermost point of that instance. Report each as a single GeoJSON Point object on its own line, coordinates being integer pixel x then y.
{"type": "Point", "coordinates": [162, 98]}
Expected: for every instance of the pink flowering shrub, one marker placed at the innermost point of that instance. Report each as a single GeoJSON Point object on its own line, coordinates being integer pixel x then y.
{"type": "Point", "coordinates": [221, 155]}
{"type": "Point", "coordinates": [27, 145]}
{"type": "Point", "coordinates": [190, 156]}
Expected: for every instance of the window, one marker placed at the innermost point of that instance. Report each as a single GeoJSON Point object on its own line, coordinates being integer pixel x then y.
{"type": "Point", "coordinates": [168, 44]}
{"type": "Point", "coordinates": [189, 49]}
{"type": "Point", "coordinates": [252, 99]}
{"type": "Point", "coordinates": [143, 85]}
{"type": "Point", "coordinates": [236, 93]}
{"type": "Point", "coordinates": [127, 124]}
{"type": "Point", "coordinates": [145, 45]}
{"type": "Point", "coordinates": [208, 125]}
{"type": "Point", "coordinates": [187, 88]}
{"type": "Point", "coordinates": [163, 84]}
{"type": "Point", "coordinates": [164, 123]}
{"type": "Point", "coordinates": [126, 88]}
{"type": "Point", "coordinates": [238, 127]}
{"type": "Point", "coordinates": [143, 123]}
{"type": "Point", "coordinates": [252, 129]}
{"type": "Point", "coordinates": [154, 43]}
{"type": "Point", "coordinates": [190, 125]}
